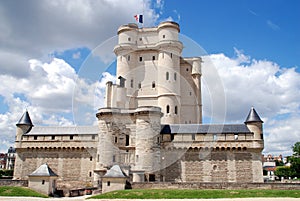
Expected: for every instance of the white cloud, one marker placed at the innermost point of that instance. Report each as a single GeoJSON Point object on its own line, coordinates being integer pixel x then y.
{"type": "Point", "coordinates": [42, 27]}
{"type": "Point", "coordinates": [76, 55]}
{"type": "Point", "coordinates": [272, 25]}
{"type": "Point", "coordinates": [274, 91]}
{"type": "Point", "coordinates": [48, 94]}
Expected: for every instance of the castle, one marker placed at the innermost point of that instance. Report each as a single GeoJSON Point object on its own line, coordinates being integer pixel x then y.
{"type": "Point", "coordinates": [151, 126]}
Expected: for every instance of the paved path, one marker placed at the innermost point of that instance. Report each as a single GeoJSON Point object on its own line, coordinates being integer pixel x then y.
{"type": "Point", "coordinates": [83, 198]}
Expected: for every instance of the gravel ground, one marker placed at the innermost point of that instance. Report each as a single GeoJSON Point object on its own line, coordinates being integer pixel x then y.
{"type": "Point", "coordinates": [84, 198]}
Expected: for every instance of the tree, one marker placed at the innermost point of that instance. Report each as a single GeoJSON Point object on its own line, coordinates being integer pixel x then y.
{"type": "Point", "coordinates": [295, 160]}
{"type": "Point", "coordinates": [279, 163]}
{"type": "Point", "coordinates": [283, 171]}
{"type": "Point", "coordinates": [296, 149]}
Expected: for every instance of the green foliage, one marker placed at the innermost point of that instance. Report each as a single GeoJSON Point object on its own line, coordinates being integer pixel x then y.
{"type": "Point", "coordinates": [295, 166]}
{"type": "Point", "coordinates": [295, 160]}
{"type": "Point", "coordinates": [265, 172]}
{"type": "Point", "coordinates": [283, 172]}
{"type": "Point", "coordinates": [296, 149]}
{"type": "Point", "coordinates": [7, 173]}
{"type": "Point", "coordinates": [194, 194]}
{"type": "Point", "coordinates": [279, 163]}
{"type": "Point", "coordinates": [19, 191]}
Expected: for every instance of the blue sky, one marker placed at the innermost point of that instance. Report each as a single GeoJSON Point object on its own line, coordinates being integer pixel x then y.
{"type": "Point", "coordinates": [52, 59]}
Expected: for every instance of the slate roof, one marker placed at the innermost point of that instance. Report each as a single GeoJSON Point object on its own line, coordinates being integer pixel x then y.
{"type": "Point", "coordinates": [203, 129]}
{"type": "Point", "coordinates": [43, 170]}
{"type": "Point", "coordinates": [115, 172]}
{"type": "Point", "coordinates": [64, 130]}
{"type": "Point", "coordinates": [25, 120]}
{"type": "Point", "coordinates": [253, 116]}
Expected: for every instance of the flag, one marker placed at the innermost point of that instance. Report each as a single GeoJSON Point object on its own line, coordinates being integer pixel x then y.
{"type": "Point", "coordinates": [139, 18]}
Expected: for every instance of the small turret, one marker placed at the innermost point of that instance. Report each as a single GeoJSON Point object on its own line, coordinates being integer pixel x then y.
{"type": "Point", "coordinates": [24, 125]}
{"type": "Point", "coordinates": [254, 123]}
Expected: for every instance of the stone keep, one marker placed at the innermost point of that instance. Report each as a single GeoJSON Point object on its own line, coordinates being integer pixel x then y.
{"type": "Point", "coordinates": [151, 126]}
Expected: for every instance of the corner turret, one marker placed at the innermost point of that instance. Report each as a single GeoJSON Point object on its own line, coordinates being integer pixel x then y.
{"type": "Point", "coordinates": [24, 126]}
{"type": "Point", "coordinates": [254, 123]}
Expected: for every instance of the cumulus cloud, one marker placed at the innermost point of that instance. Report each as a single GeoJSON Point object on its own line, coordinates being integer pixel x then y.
{"type": "Point", "coordinates": [48, 94]}
{"type": "Point", "coordinates": [41, 27]}
{"type": "Point", "coordinates": [33, 30]}
{"type": "Point", "coordinates": [274, 91]}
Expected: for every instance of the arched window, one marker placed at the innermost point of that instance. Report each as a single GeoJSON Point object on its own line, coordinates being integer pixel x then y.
{"type": "Point", "coordinates": [167, 75]}
{"type": "Point", "coordinates": [153, 84]}
{"type": "Point", "coordinates": [176, 109]}
{"type": "Point", "coordinates": [168, 109]}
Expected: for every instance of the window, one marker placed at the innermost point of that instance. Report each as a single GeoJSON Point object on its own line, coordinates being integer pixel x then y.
{"type": "Point", "coordinates": [141, 59]}
{"type": "Point", "coordinates": [98, 157]}
{"type": "Point", "coordinates": [176, 110]}
{"type": "Point", "coordinates": [193, 136]}
{"type": "Point", "coordinates": [108, 183]}
{"type": "Point", "coordinates": [167, 75]}
{"type": "Point", "coordinates": [141, 39]}
{"type": "Point", "coordinates": [153, 58]}
{"type": "Point", "coordinates": [262, 136]}
{"type": "Point", "coordinates": [139, 85]}
{"type": "Point", "coordinates": [153, 84]}
{"type": "Point", "coordinates": [215, 137]}
{"type": "Point", "coordinates": [164, 36]}
{"type": "Point", "coordinates": [91, 158]}
{"type": "Point", "coordinates": [93, 137]}
{"type": "Point", "coordinates": [114, 158]}
{"type": "Point", "coordinates": [43, 182]}
{"type": "Point", "coordinates": [90, 173]}
{"type": "Point", "coordinates": [168, 109]}
{"type": "Point", "coordinates": [187, 69]}
{"type": "Point", "coordinates": [71, 137]}
{"type": "Point", "coordinates": [53, 137]}
{"type": "Point", "coordinates": [137, 158]}
{"type": "Point", "coordinates": [190, 93]}
{"type": "Point", "coordinates": [128, 57]}
{"type": "Point", "coordinates": [158, 140]}
{"type": "Point", "coordinates": [35, 137]}
{"type": "Point", "coordinates": [127, 140]}
{"type": "Point", "coordinates": [171, 55]}
{"type": "Point", "coordinates": [129, 39]}
{"type": "Point", "coordinates": [116, 139]}
{"type": "Point", "coordinates": [131, 83]}
{"type": "Point", "coordinates": [175, 76]}
{"type": "Point", "coordinates": [236, 136]}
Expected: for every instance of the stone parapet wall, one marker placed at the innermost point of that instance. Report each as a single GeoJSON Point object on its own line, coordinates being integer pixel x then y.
{"type": "Point", "coordinates": [215, 185]}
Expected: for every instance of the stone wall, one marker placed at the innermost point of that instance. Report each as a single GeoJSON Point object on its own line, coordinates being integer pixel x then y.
{"type": "Point", "coordinates": [8, 182]}
{"type": "Point", "coordinates": [74, 167]}
{"type": "Point", "coordinates": [215, 185]}
{"type": "Point", "coordinates": [215, 166]}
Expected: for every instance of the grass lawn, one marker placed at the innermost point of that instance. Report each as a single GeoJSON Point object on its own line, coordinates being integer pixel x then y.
{"type": "Point", "coordinates": [182, 193]}
{"type": "Point", "coordinates": [19, 191]}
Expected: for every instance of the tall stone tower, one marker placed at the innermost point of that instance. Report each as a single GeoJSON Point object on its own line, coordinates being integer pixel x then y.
{"type": "Point", "coordinates": [152, 72]}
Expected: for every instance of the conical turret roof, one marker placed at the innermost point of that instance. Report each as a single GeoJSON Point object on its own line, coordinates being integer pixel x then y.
{"type": "Point", "coordinates": [44, 170]}
{"type": "Point", "coordinates": [253, 116]}
{"type": "Point", "coordinates": [25, 120]}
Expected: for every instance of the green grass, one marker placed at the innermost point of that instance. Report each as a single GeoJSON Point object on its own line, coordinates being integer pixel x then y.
{"type": "Point", "coordinates": [191, 194]}
{"type": "Point", "coordinates": [19, 191]}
